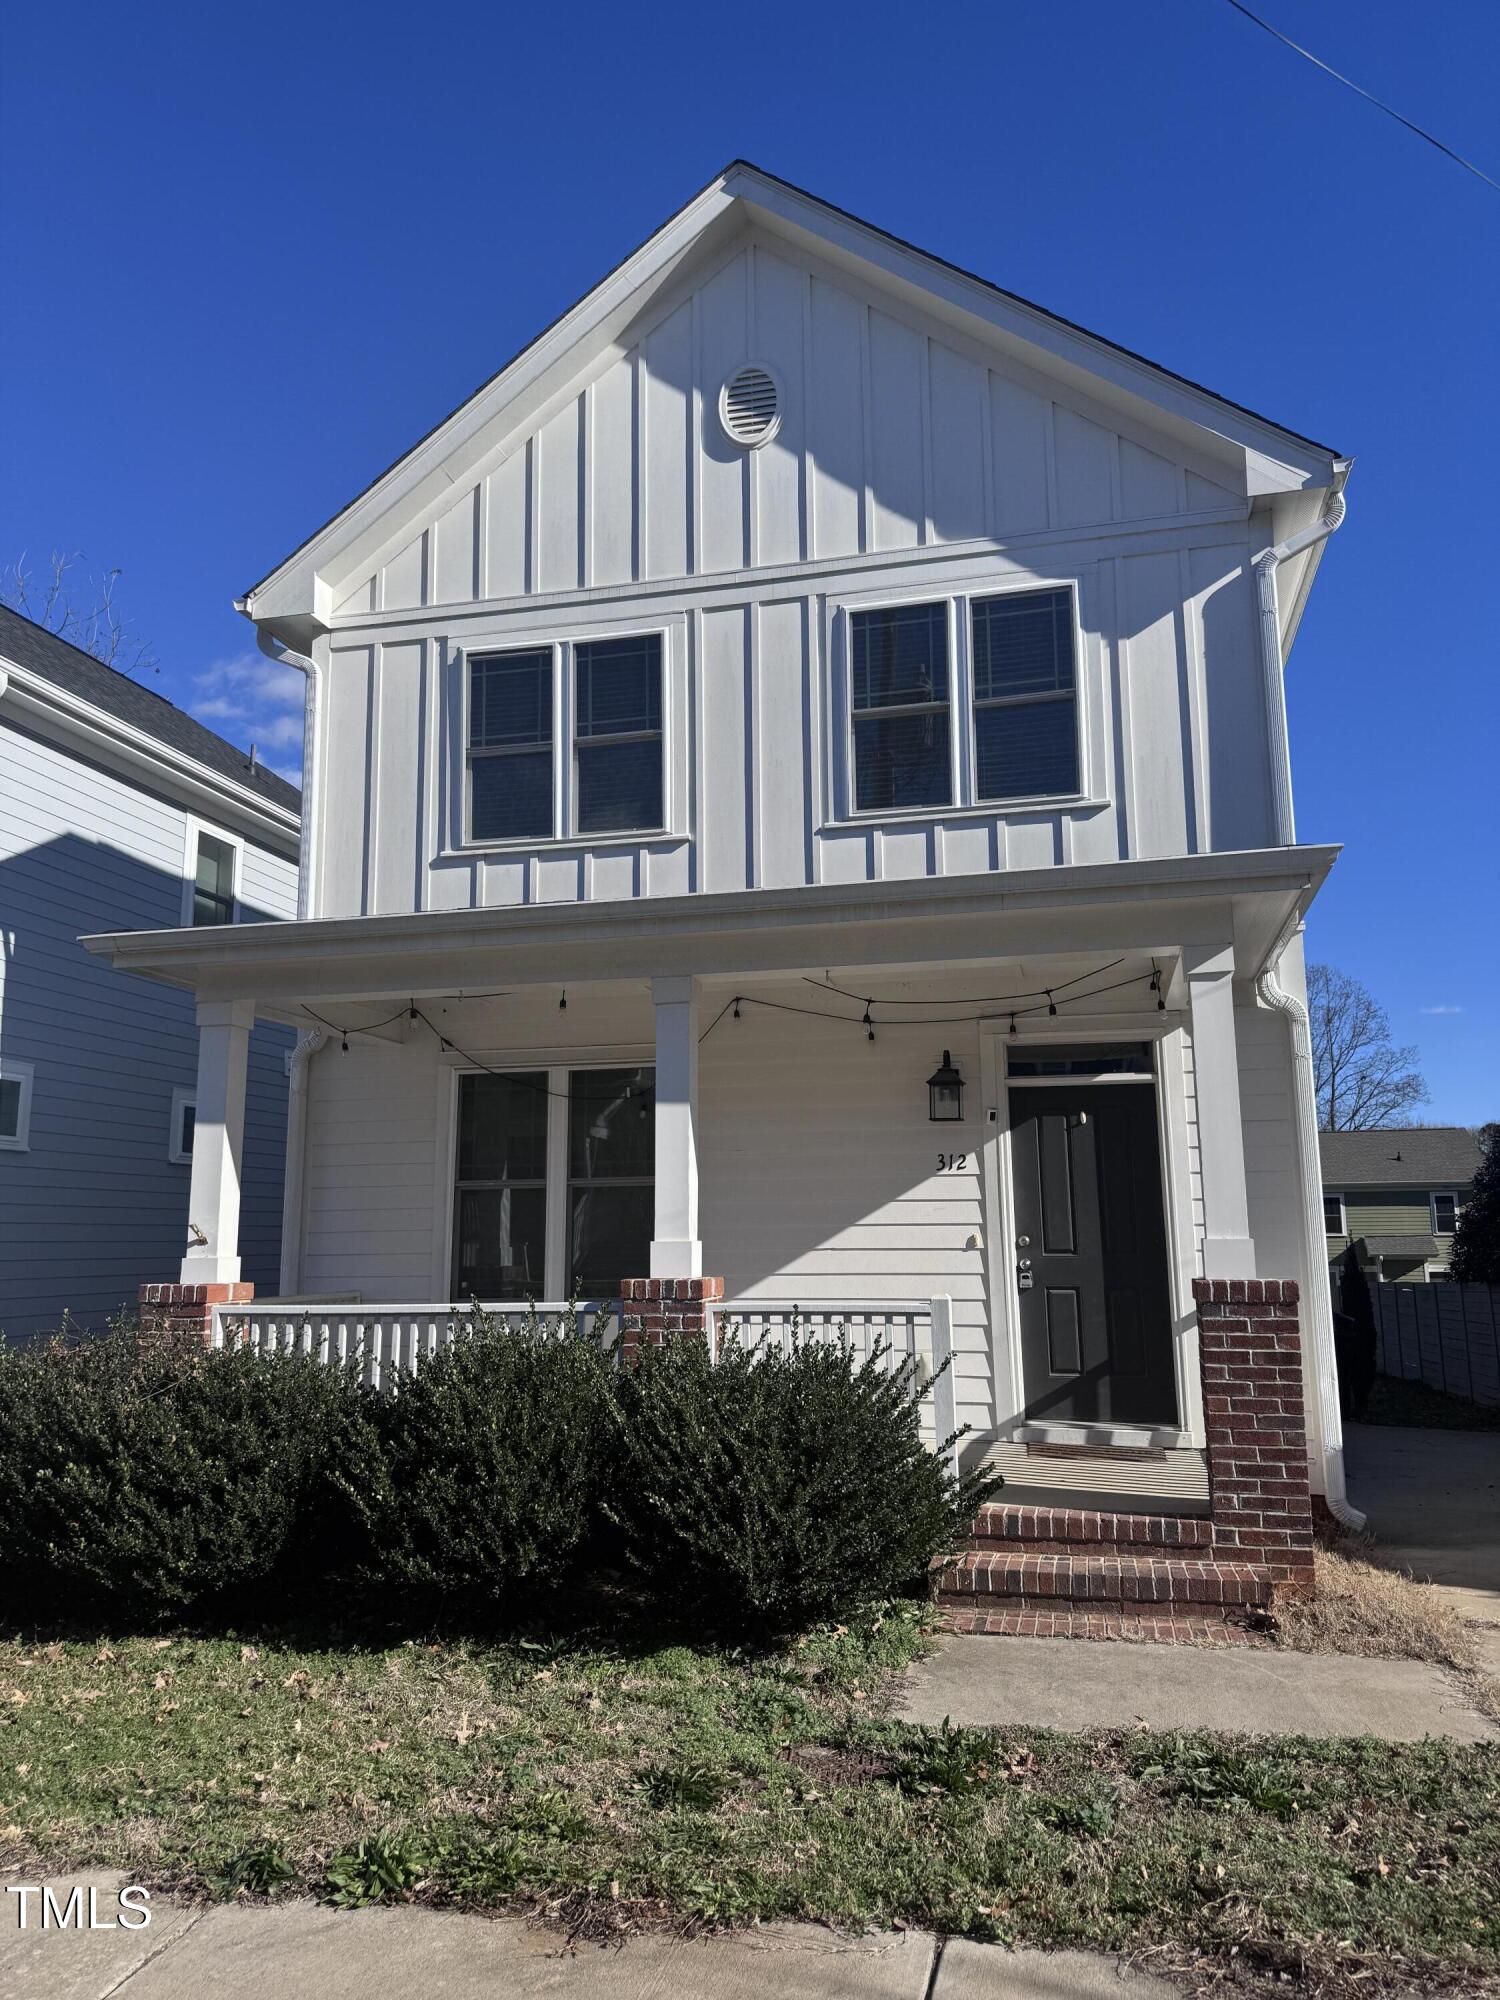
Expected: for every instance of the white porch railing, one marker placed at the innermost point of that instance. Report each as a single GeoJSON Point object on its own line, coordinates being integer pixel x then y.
{"type": "Point", "coordinates": [383, 1342]}
{"type": "Point", "coordinates": [918, 1327]}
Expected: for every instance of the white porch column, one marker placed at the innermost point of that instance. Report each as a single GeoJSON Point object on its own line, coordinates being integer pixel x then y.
{"type": "Point", "coordinates": [676, 1251]}
{"type": "Point", "coordinates": [218, 1142]}
{"type": "Point", "coordinates": [1228, 1251]}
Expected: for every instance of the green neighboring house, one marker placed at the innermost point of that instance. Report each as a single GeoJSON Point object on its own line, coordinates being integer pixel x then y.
{"type": "Point", "coordinates": [1396, 1194]}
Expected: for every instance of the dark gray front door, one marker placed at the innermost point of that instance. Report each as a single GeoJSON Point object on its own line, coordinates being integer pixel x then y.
{"type": "Point", "coordinates": [1096, 1321]}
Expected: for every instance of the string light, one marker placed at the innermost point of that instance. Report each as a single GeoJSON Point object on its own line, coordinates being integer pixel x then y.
{"type": "Point", "coordinates": [1013, 1028]}
{"type": "Point", "coordinates": [562, 1005]}
{"type": "Point", "coordinates": [869, 1025]}
{"type": "Point", "coordinates": [736, 1006]}
{"type": "Point", "coordinates": [1051, 1004]}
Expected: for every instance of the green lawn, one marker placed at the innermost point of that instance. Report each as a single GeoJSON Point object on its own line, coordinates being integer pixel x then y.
{"type": "Point", "coordinates": [621, 1785]}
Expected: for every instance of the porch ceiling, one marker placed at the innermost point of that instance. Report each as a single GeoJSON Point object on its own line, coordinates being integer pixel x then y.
{"type": "Point", "coordinates": [1132, 906]}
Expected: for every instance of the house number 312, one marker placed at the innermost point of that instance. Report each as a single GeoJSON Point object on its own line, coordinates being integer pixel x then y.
{"type": "Point", "coordinates": [952, 1163]}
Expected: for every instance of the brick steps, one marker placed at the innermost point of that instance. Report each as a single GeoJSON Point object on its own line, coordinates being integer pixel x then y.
{"type": "Point", "coordinates": [1080, 1531]}
{"type": "Point", "coordinates": [1169, 1626]}
{"type": "Point", "coordinates": [1022, 1580]}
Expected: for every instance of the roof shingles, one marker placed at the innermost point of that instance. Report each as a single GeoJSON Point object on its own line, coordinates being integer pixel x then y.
{"type": "Point", "coordinates": [1400, 1156]}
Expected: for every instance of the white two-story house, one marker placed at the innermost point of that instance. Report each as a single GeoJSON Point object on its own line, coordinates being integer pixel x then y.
{"type": "Point", "coordinates": [797, 792]}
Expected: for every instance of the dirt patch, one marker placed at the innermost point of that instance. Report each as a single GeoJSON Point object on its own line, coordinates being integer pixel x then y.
{"type": "Point", "coordinates": [838, 1767]}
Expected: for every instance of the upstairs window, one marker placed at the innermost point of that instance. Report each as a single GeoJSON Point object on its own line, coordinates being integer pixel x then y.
{"type": "Point", "coordinates": [510, 746]}
{"type": "Point", "coordinates": [213, 880]}
{"type": "Point", "coordinates": [1333, 1215]}
{"type": "Point", "coordinates": [1025, 696]}
{"type": "Point", "coordinates": [900, 701]}
{"type": "Point", "coordinates": [15, 1104]}
{"type": "Point", "coordinates": [1444, 1214]}
{"type": "Point", "coordinates": [618, 735]}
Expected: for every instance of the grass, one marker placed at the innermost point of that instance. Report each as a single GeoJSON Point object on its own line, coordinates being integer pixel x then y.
{"type": "Point", "coordinates": [613, 1786]}
{"type": "Point", "coordinates": [1409, 1404]}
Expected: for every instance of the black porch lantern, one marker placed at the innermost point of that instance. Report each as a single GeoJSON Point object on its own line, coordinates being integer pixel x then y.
{"type": "Point", "coordinates": [945, 1092]}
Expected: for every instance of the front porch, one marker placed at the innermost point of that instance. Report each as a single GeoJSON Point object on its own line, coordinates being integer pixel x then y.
{"type": "Point", "coordinates": [561, 1101]}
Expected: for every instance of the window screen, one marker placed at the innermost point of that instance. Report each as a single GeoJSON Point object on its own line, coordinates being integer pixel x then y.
{"type": "Point", "coordinates": [611, 1177]}
{"type": "Point", "coordinates": [1025, 695]}
{"type": "Point", "coordinates": [510, 746]}
{"type": "Point", "coordinates": [213, 882]}
{"type": "Point", "coordinates": [618, 735]}
{"type": "Point", "coordinates": [899, 696]}
{"type": "Point", "coordinates": [501, 1194]}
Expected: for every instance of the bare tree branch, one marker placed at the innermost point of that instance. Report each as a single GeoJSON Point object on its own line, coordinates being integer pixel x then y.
{"type": "Point", "coordinates": [86, 615]}
{"type": "Point", "coordinates": [1363, 1079]}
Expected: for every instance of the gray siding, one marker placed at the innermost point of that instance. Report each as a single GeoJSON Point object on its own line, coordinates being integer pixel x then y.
{"type": "Point", "coordinates": [94, 1206]}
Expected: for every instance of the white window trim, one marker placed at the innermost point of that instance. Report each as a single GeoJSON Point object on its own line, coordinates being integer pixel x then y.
{"type": "Point", "coordinates": [565, 831]}
{"type": "Point", "coordinates": [193, 830]}
{"type": "Point", "coordinates": [182, 1097]}
{"type": "Point", "coordinates": [959, 596]}
{"type": "Point", "coordinates": [556, 1062]}
{"type": "Point", "coordinates": [1343, 1228]}
{"type": "Point", "coordinates": [1450, 1194]}
{"type": "Point", "coordinates": [13, 1070]}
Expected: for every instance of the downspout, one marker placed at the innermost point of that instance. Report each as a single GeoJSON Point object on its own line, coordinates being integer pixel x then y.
{"type": "Point", "coordinates": [1273, 665]}
{"type": "Point", "coordinates": [1317, 1288]}
{"type": "Point", "coordinates": [309, 1041]}
{"type": "Point", "coordinates": [307, 858]}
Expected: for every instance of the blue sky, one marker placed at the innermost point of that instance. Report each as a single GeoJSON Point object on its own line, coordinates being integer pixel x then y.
{"type": "Point", "coordinates": [253, 255]}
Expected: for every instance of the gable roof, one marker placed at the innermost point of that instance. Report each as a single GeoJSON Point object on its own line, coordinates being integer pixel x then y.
{"type": "Point", "coordinates": [767, 198]}
{"type": "Point", "coordinates": [80, 674]}
{"type": "Point", "coordinates": [1399, 1156]}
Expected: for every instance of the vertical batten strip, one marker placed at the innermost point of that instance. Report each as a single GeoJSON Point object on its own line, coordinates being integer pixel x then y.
{"type": "Point", "coordinates": [586, 402]}
{"type": "Point", "coordinates": [1049, 453]}
{"type": "Point", "coordinates": [1192, 633]}
{"type": "Point", "coordinates": [806, 483]}
{"type": "Point", "coordinates": [925, 529]}
{"type": "Point", "coordinates": [867, 435]}
{"type": "Point", "coordinates": [637, 462]}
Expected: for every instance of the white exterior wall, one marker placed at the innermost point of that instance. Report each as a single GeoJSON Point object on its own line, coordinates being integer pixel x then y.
{"type": "Point", "coordinates": [908, 463]}
{"type": "Point", "coordinates": [819, 1176]}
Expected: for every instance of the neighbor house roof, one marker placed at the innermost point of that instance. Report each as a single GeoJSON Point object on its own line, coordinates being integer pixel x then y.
{"type": "Point", "coordinates": [78, 673]}
{"type": "Point", "coordinates": [1400, 1246]}
{"type": "Point", "coordinates": [1400, 1156]}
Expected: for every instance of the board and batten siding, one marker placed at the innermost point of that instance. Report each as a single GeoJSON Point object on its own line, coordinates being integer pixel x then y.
{"type": "Point", "coordinates": [907, 463]}
{"type": "Point", "coordinates": [94, 1206]}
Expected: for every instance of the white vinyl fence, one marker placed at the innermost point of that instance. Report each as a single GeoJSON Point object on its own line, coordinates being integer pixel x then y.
{"type": "Point", "coordinates": [1447, 1336]}
{"type": "Point", "coordinates": [384, 1342]}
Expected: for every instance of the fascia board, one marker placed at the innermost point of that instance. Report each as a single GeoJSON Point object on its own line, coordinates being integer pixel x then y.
{"type": "Point", "coordinates": [432, 945]}
{"type": "Point", "coordinates": [111, 740]}
{"type": "Point", "coordinates": [438, 467]}
{"type": "Point", "coordinates": [1082, 360]}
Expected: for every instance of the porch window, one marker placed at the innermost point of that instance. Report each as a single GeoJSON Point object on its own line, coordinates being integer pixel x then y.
{"type": "Point", "coordinates": [510, 746]}
{"type": "Point", "coordinates": [1025, 695]}
{"type": "Point", "coordinates": [618, 735]}
{"type": "Point", "coordinates": [213, 881]}
{"type": "Point", "coordinates": [611, 1174]}
{"type": "Point", "coordinates": [501, 1206]}
{"type": "Point", "coordinates": [1081, 1059]}
{"type": "Point", "coordinates": [899, 684]}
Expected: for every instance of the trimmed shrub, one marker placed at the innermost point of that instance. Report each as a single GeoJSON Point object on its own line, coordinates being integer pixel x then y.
{"type": "Point", "coordinates": [480, 1489]}
{"type": "Point", "coordinates": [142, 1476]}
{"type": "Point", "coordinates": [769, 1491]}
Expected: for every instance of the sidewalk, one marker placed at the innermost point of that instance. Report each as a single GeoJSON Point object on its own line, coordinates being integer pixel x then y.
{"type": "Point", "coordinates": [1079, 1684]}
{"type": "Point", "coordinates": [302, 1951]}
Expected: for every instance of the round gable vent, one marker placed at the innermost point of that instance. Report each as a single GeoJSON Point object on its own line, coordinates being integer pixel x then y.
{"type": "Point", "coordinates": [750, 405]}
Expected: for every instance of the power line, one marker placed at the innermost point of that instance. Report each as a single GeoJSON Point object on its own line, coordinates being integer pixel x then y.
{"type": "Point", "coordinates": [1369, 96]}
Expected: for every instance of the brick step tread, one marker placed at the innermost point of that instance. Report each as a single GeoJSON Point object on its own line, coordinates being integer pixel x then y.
{"type": "Point", "coordinates": [998, 1523]}
{"type": "Point", "coordinates": [1123, 1578]}
{"type": "Point", "coordinates": [1174, 1628]}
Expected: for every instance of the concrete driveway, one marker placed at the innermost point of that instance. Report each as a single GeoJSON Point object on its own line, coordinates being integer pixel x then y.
{"type": "Point", "coordinates": [1433, 1501]}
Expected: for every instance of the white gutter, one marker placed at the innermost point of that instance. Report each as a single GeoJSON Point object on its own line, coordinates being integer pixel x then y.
{"type": "Point", "coordinates": [1317, 1290]}
{"type": "Point", "coordinates": [309, 1041]}
{"type": "Point", "coordinates": [311, 717]}
{"type": "Point", "coordinates": [1273, 663]}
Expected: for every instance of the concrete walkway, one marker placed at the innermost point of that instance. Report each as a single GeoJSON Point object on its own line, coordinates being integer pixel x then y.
{"type": "Point", "coordinates": [1433, 1502]}
{"type": "Point", "coordinates": [301, 1951]}
{"type": "Point", "coordinates": [1076, 1684]}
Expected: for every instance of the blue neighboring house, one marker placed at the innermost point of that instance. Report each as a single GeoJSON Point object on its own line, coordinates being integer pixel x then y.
{"type": "Point", "coordinates": [119, 812]}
